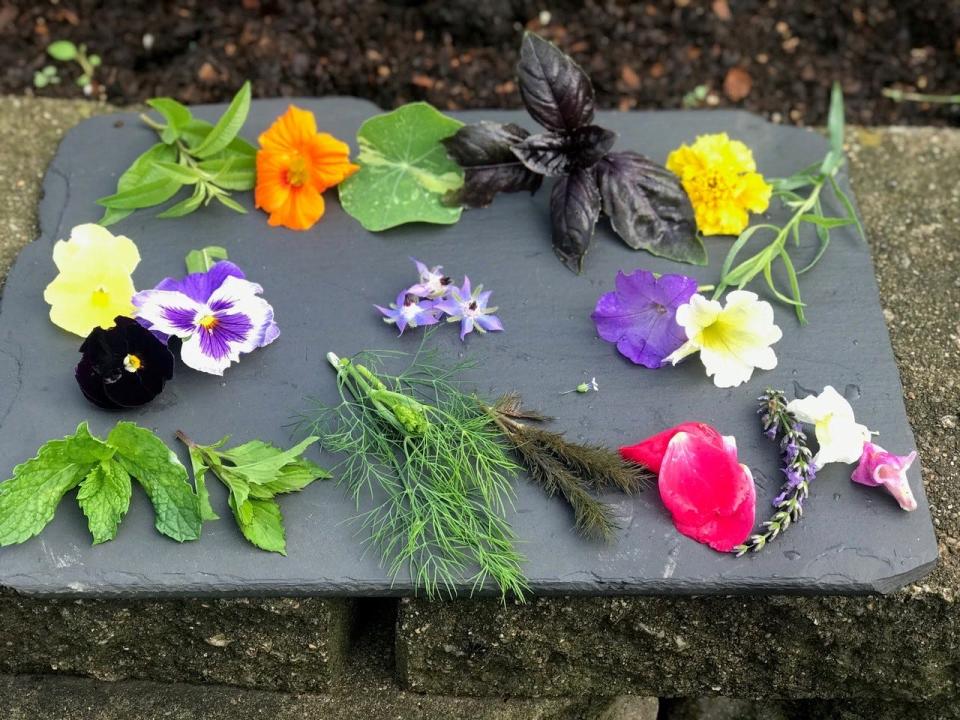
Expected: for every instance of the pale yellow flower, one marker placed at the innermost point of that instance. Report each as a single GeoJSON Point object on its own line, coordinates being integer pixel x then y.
{"type": "Point", "coordinates": [721, 179]}
{"type": "Point", "coordinates": [839, 436]}
{"type": "Point", "coordinates": [732, 340]}
{"type": "Point", "coordinates": [94, 284]}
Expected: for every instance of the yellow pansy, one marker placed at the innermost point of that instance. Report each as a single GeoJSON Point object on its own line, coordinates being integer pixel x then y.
{"type": "Point", "coordinates": [721, 179]}
{"type": "Point", "coordinates": [94, 284]}
{"type": "Point", "coordinates": [732, 340]}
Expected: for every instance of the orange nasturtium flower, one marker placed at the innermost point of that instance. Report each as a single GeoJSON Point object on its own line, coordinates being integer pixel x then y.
{"type": "Point", "coordinates": [295, 164]}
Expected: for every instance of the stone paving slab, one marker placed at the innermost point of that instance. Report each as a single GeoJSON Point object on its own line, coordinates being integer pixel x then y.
{"type": "Point", "coordinates": [900, 646]}
{"type": "Point", "coordinates": [550, 335]}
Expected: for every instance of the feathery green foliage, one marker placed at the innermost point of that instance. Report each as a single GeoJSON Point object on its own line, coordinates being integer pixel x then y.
{"type": "Point", "coordinates": [436, 461]}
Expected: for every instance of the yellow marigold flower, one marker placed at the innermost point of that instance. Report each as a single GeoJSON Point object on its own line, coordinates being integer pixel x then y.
{"type": "Point", "coordinates": [94, 285]}
{"type": "Point", "coordinates": [721, 178]}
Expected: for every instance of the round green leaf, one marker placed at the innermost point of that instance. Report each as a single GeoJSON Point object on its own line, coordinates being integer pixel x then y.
{"type": "Point", "coordinates": [63, 50]}
{"type": "Point", "coordinates": [404, 169]}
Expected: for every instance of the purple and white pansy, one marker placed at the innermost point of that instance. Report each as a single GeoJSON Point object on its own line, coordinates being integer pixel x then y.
{"type": "Point", "coordinates": [435, 296]}
{"type": "Point", "coordinates": [218, 314]}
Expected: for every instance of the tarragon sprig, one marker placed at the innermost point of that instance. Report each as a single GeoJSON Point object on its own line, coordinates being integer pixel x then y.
{"type": "Point", "coordinates": [779, 423]}
{"type": "Point", "coordinates": [807, 210]}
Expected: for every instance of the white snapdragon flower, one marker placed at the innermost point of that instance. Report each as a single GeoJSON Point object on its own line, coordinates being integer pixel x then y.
{"type": "Point", "coordinates": [839, 435]}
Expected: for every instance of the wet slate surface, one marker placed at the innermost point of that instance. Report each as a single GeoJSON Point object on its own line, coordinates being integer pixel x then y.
{"type": "Point", "coordinates": [322, 284]}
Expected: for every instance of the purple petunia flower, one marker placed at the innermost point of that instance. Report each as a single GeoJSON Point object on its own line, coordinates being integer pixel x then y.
{"type": "Point", "coordinates": [218, 314]}
{"type": "Point", "coordinates": [433, 283]}
{"type": "Point", "coordinates": [470, 309]}
{"type": "Point", "coordinates": [409, 311]}
{"type": "Point", "coordinates": [640, 315]}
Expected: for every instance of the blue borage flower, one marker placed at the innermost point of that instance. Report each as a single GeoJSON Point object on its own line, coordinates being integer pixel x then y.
{"type": "Point", "coordinates": [218, 314]}
{"type": "Point", "coordinates": [409, 311]}
{"type": "Point", "coordinates": [435, 295]}
{"type": "Point", "coordinates": [470, 309]}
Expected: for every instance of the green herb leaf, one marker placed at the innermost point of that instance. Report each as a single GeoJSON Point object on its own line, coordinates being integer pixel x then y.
{"type": "Point", "coordinates": [227, 126]}
{"type": "Point", "coordinates": [29, 499]}
{"type": "Point", "coordinates": [62, 50]}
{"type": "Point", "coordinates": [232, 172]}
{"type": "Point", "coordinates": [145, 456]}
{"type": "Point", "coordinates": [229, 202]}
{"type": "Point", "coordinates": [176, 115]}
{"type": "Point", "coordinates": [142, 195]}
{"type": "Point", "coordinates": [104, 497]}
{"type": "Point", "coordinates": [187, 205]}
{"type": "Point", "coordinates": [199, 261]}
{"type": "Point", "coordinates": [261, 523]}
{"type": "Point", "coordinates": [181, 173]}
{"type": "Point", "coordinates": [143, 170]}
{"type": "Point", "coordinates": [254, 473]}
{"type": "Point", "coordinates": [404, 169]}
{"type": "Point", "coordinates": [195, 131]}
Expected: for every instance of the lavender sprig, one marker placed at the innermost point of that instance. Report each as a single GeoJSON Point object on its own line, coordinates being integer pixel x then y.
{"type": "Point", "coordinates": [779, 423]}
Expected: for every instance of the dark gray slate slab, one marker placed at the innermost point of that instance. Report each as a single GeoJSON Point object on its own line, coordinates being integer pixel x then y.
{"type": "Point", "coordinates": [322, 284]}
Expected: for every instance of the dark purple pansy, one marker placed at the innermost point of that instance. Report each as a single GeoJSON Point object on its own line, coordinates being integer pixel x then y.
{"type": "Point", "coordinates": [124, 366]}
{"type": "Point", "coordinates": [640, 315]}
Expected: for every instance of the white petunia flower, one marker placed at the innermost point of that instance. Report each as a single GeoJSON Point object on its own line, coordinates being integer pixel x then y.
{"type": "Point", "coordinates": [732, 340]}
{"type": "Point", "coordinates": [839, 435]}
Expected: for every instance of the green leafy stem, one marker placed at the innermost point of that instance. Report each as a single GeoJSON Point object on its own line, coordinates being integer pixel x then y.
{"type": "Point", "coordinates": [211, 159]}
{"type": "Point", "coordinates": [807, 210]}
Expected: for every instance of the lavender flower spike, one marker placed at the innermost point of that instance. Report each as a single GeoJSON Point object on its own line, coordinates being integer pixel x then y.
{"type": "Point", "coordinates": [470, 309]}
{"type": "Point", "coordinates": [218, 315]}
{"type": "Point", "coordinates": [433, 283]}
{"type": "Point", "coordinates": [409, 311]}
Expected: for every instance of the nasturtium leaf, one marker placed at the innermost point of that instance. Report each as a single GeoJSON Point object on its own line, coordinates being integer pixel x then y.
{"type": "Point", "coordinates": [556, 91]}
{"type": "Point", "coordinates": [648, 207]}
{"type": "Point", "coordinates": [404, 169]}
{"type": "Point", "coordinates": [158, 470]}
{"type": "Point", "coordinates": [227, 127]}
{"type": "Point", "coordinates": [29, 499]}
{"type": "Point", "coordinates": [143, 170]}
{"type": "Point", "coordinates": [557, 154]}
{"type": "Point", "coordinates": [104, 497]}
{"type": "Point", "coordinates": [574, 209]}
{"type": "Point", "coordinates": [489, 165]}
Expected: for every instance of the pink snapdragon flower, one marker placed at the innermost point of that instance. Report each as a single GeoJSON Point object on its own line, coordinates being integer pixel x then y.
{"type": "Point", "coordinates": [879, 467]}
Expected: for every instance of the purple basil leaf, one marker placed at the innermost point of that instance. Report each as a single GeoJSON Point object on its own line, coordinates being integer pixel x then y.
{"type": "Point", "coordinates": [556, 154]}
{"type": "Point", "coordinates": [557, 92]}
{"type": "Point", "coordinates": [489, 166]}
{"type": "Point", "coordinates": [648, 207]}
{"type": "Point", "coordinates": [574, 209]}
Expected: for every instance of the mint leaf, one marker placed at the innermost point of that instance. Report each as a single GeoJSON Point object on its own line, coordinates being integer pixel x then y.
{"type": "Point", "coordinates": [145, 456]}
{"type": "Point", "coordinates": [29, 499]}
{"type": "Point", "coordinates": [104, 497]}
{"type": "Point", "coordinates": [261, 523]}
{"type": "Point", "coordinates": [291, 478]}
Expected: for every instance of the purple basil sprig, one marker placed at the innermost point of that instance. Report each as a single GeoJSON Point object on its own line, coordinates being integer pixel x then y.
{"type": "Point", "coordinates": [646, 204]}
{"type": "Point", "coordinates": [798, 468]}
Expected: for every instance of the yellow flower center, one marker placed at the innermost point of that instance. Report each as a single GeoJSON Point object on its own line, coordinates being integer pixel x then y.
{"type": "Point", "coordinates": [100, 298]}
{"type": "Point", "coordinates": [131, 363]}
{"type": "Point", "coordinates": [714, 336]}
{"type": "Point", "coordinates": [208, 322]}
{"type": "Point", "coordinates": [298, 173]}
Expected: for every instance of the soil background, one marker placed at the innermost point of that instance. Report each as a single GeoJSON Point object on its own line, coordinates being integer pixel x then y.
{"type": "Point", "coordinates": [777, 57]}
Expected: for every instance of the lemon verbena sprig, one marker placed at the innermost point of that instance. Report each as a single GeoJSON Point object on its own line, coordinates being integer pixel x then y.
{"type": "Point", "coordinates": [803, 194]}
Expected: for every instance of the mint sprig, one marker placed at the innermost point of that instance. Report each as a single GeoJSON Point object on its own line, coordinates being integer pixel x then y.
{"type": "Point", "coordinates": [103, 471]}
{"type": "Point", "coordinates": [209, 159]}
{"type": "Point", "coordinates": [254, 474]}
